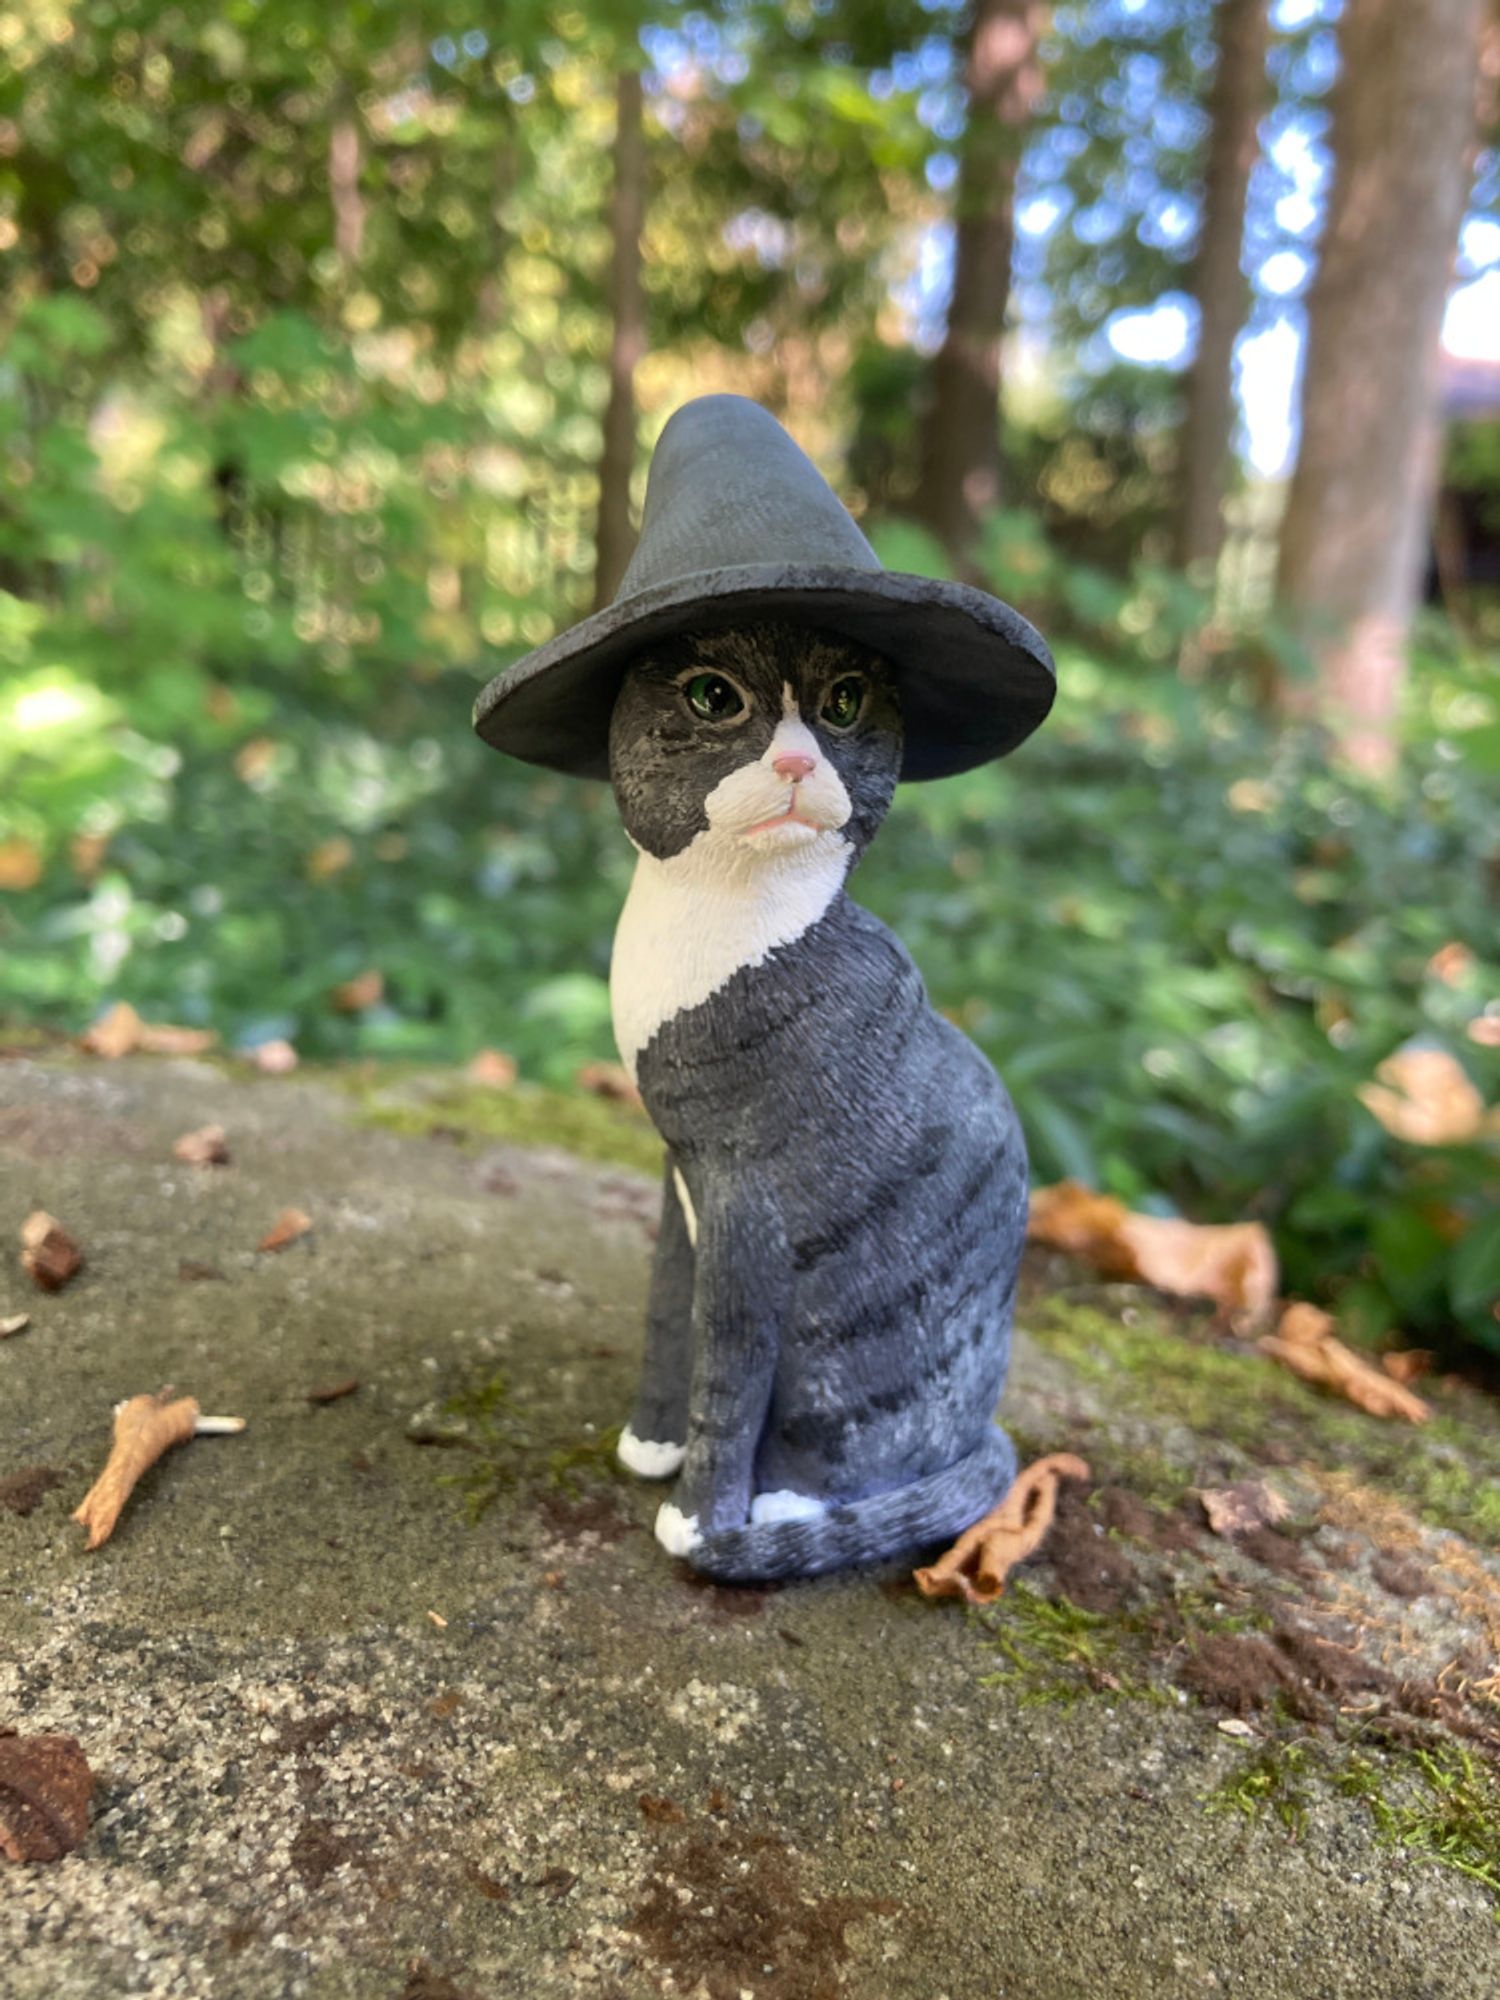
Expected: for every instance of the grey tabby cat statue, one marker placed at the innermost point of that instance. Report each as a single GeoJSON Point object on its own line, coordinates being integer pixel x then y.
{"type": "Point", "coordinates": [845, 1193]}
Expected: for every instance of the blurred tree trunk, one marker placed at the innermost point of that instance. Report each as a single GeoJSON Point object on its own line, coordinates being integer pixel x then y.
{"type": "Point", "coordinates": [1351, 553]}
{"type": "Point", "coordinates": [960, 444]}
{"type": "Point", "coordinates": [1236, 101]}
{"type": "Point", "coordinates": [615, 538]}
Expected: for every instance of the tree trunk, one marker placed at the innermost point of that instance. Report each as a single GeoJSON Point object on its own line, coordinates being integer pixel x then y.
{"type": "Point", "coordinates": [1351, 552]}
{"type": "Point", "coordinates": [1236, 101]}
{"type": "Point", "coordinates": [961, 472]}
{"type": "Point", "coordinates": [616, 537]}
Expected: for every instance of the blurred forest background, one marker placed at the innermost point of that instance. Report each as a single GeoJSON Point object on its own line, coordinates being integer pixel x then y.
{"type": "Point", "coordinates": [335, 342]}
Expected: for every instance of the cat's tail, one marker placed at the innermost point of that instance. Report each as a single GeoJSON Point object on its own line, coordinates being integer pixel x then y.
{"type": "Point", "coordinates": [907, 1518]}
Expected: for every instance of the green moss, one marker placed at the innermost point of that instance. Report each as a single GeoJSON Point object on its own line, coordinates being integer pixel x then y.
{"type": "Point", "coordinates": [1447, 1471]}
{"type": "Point", "coordinates": [508, 1452]}
{"type": "Point", "coordinates": [1055, 1651]}
{"type": "Point", "coordinates": [421, 1102]}
{"type": "Point", "coordinates": [1441, 1802]}
{"type": "Point", "coordinates": [1275, 1780]}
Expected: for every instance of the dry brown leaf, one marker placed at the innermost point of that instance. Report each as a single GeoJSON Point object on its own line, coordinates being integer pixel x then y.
{"type": "Point", "coordinates": [1305, 1342]}
{"type": "Point", "coordinates": [1408, 1364]}
{"type": "Point", "coordinates": [976, 1566]}
{"type": "Point", "coordinates": [45, 1783]}
{"type": "Point", "coordinates": [1427, 1098]}
{"type": "Point", "coordinates": [121, 1032]}
{"type": "Point", "coordinates": [1237, 1509]}
{"type": "Point", "coordinates": [49, 1255]}
{"type": "Point", "coordinates": [145, 1427]}
{"type": "Point", "coordinates": [20, 864]}
{"type": "Point", "coordinates": [207, 1147]}
{"type": "Point", "coordinates": [329, 858]}
{"type": "Point", "coordinates": [1233, 1263]}
{"type": "Point", "coordinates": [14, 1323]}
{"type": "Point", "coordinates": [277, 1058]}
{"type": "Point", "coordinates": [607, 1079]}
{"type": "Point", "coordinates": [493, 1069]}
{"type": "Point", "coordinates": [288, 1226]}
{"type": "Point", "coordinates": [366, 989]}
{"type": "Point", "coordinates": [334, 1391]}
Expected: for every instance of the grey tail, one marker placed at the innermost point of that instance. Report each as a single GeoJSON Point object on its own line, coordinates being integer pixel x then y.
{"type": "Point", "coordinates": [863, 1531]}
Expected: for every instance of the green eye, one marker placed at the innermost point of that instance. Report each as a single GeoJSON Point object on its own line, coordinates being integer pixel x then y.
{"type": "Point", "coordinates": [714, 698]}
{"type": "Point", "coordinates": [844, 701]}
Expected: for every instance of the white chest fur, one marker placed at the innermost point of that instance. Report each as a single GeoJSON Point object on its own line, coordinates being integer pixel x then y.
{"type": "Point", "coordinates": [691, 922]}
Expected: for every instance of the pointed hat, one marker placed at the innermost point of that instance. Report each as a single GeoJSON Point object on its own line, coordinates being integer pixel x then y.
{"type": "Point", "coordinates": [740, 525]}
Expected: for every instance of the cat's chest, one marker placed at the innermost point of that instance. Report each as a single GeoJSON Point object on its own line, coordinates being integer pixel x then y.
{"type": "Point", "coordinates": [688, 927]}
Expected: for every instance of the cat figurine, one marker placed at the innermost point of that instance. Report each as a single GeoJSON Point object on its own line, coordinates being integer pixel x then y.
{"type": "Point", "coordinates": [845, 1188]}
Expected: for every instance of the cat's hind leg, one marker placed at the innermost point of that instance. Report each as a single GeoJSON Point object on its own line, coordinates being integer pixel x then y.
{"type": "Point", "coordinates": [652, 1444]}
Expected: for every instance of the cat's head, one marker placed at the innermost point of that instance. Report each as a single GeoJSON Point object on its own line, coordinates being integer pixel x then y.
{"type": "Point", "coordinates": [768, 741]}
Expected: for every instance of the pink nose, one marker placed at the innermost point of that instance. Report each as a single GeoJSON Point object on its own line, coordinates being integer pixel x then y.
{"type": "Point", "coordinates": [794, 769]}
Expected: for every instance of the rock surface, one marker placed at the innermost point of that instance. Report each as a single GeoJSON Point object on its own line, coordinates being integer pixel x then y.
{"type": "Point", "coordinates": [350, 1740]}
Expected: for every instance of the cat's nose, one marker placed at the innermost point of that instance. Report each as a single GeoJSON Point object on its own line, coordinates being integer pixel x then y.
{"type": "Point", "coordinates": [794, 768]}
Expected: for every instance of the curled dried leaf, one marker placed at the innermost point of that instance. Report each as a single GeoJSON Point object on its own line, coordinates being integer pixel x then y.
{"type": "Point", "coordinates": [145, 1428]}
{"type": "Point", "coordinates": [1408, 1364]}
{"type": "Point", "coordinates": [607, 1079]}
{"type": "Point", "coordinates": [207, 1147]}
{"type": "Point", "coordinates": [121, 1032]}
{"type": "Point", "coordinates": [1427, 1098]}
{"type": "Point", "coordinates": [275, 1058]}
{"type": "Point", "coordinates": [976, 1566]}
{"type": "Point", "coordinates": [45, 1783]}
{"type": "Point", "coordinates": [1305, 1342]}
{"type": "Point", "coordinates": [288, 1226]}
{"type": "Point", "coordinates": [366, 989]}
{"type": "Point", "coordinates": [1234, 1264]}
{"type": "Point", "coordinates": [493, 1069]}
{"type": "Point", "coordinates": [1242, 1507]}
{"type": "Point", "coordinates": [49, 1255]}
{"type": "Point", "coordinates": [14, 1323]}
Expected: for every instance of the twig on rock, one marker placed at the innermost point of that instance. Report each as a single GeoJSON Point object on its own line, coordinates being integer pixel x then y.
{"type": "Point", "coordinates": [976, 1566]}
{"type": "Point", "coordinates": [145, 1428]}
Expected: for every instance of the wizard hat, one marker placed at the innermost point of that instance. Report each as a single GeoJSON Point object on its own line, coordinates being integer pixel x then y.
{"type": "Point", "coordinates": [740, 525]}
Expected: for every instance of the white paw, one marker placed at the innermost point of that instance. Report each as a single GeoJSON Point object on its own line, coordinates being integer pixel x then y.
{"type": "Point", "coordinates": [647, 1460]}
{"type": "Point", "coordinates": [677, 1532]}
{"type": "Point", "coordinates": [786, 1505]}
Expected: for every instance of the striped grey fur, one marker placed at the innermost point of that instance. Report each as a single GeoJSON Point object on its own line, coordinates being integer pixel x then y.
{"type": "Point", "coordinates": [856, 1177]}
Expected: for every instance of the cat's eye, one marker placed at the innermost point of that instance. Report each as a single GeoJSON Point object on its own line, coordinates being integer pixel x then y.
{"type": "Point", "coordinates": [714, 698]}
{"type": "Point", "coordinates": [844, 702]}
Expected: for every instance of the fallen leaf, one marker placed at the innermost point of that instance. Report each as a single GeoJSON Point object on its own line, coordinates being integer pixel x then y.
{"type": "Point", "coordinates": [1235, 1725]}
{"type": "Point", "coordinates": [49, 1255]}
{"type": "Point", "coordinates": [335, 1390]}
{"type": "Point", "coordinates": [20, 864]}
{"type": "Point", "coordinates": [1427, 1098]}
{"type": "Point", "coordinates": [439, 1620]}
{"type": "Point", "coordinates": [366, 989]}
{"type": "Point", "coordinates": [190, 1271]}
{"type": "Point", "coordinates": [45, 1784]}
{"type": "Point", "coordinates": [1408, 1364]}
{"type": "Point", "coordinates": [1232, 1263]}
{"type": "Point", "coordinates": [329, 858]}
{"type": "Point", "coordinates": [492, 1068]}
{"type": "Point", "coordinates": [976, 1566]}
{"type": "Point", "coordinates": [1305, 1342]}
{"type": "Point", "coordinates": [23, 1492]}
{"type": "Point", "coordinates": [16, 1323]}
{"type": "Point", "coordinates": [1236, 1510]}
{"type": "Point", "coordinates": [288, 1226]}
{"type": "Point", "coordinates": [274, 1058]}
{"type": "Point", "coordinates": [145, 1427]}
{"type": "Point", "coordinates": [122, 1032]}
{"type": "Point", "coordinates": [207, 1147]}
{"type": "Point", "coordinates": [607, 1079]}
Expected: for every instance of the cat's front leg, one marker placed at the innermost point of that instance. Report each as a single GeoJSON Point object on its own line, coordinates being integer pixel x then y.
{"type": "Point", "coordinates": [653, 1442]}
{"type": "Point", "coordinates": [741, 1294]}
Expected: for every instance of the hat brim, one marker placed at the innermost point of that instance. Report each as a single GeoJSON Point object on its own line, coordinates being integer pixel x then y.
{"type": "Point", "coordinates": [975, 678]}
